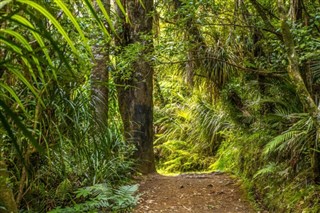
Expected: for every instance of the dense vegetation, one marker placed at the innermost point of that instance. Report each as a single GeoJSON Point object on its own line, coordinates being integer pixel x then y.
{"type": "Point", "coordinates": [235, 88]}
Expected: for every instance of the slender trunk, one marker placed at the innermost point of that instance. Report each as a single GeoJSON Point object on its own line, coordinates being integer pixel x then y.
{"type": "Point", "coordinates": [29, 151]}
{"type": "Point", "coordinates": [135, 94]}
{"type": "Point", "coordinates": [302, 91]}
{"type": "Point", "coordinates": [194, 37]}
{"type": "Point", "coordinates": [265, 19]}
{"type": "Point", "coordinates": [296, 15]}
{"type": "Point", "coordinates": [100, 79]}
{"type": "Point", "coordinates": [6, 195]}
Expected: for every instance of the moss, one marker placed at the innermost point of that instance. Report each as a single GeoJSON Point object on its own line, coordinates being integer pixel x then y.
{"type": "Point", "coordinates": [6, 196]}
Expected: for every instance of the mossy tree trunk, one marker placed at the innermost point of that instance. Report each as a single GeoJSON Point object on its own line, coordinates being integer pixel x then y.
{"type": "Point", "coordinates": [6, 196]}
{"type": "Point", "coordinates": [302, 91]}
{"type": "Point", "coordinates": [135, 94]}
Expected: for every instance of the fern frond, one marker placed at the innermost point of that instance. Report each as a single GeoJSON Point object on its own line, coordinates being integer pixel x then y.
{"type": "Point", "coordinates": [269, 169]}
{"type": "Point", "coordinates": [273, 145]}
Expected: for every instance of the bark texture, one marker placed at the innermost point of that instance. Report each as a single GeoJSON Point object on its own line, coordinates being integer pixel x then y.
{"type": "Point", "coordinates": [6, 196]}
{"type": "Point", "coordinates": [304, 95]}
{"type": "Point", "coordinates": [135, 94]}
{"type": "Point", "coordinates": [100, 79]}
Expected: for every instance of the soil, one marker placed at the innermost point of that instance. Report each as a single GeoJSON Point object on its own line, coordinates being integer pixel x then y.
{"type": "Point", "coordinates": [197, 193]}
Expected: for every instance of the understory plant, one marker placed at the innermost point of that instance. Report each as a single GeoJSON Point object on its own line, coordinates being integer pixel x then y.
{"type": "Point", "coordinates": [51, 143]}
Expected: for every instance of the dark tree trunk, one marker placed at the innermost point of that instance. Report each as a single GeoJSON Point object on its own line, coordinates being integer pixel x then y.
{"type": "Point", "coordinates": [296, 10]}
{"type": "Point", "coordinates": [135, 94]}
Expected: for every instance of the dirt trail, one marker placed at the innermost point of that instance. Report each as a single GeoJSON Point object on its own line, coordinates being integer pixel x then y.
{"type": "Point", "coordinates": [196, 193]}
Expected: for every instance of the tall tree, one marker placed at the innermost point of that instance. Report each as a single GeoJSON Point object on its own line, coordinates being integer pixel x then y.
{"type": "Point", "coordinates": [135, 90]}
{"type": "Point", "coordinates": [100, 75]}
{"type": "Point", "coordinates": [294, 73]}
{"type": "Point", "coordinates": [187, 16]}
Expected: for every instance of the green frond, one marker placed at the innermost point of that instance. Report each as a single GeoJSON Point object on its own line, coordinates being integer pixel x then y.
{"type": "Point", "coordinates": [22, 78]}
{"type": "Point", "coordinates": [74, 22]}
{"type": "Point", "coordinates": [90, 8]}
{"type": "Point", "coordinates": [28, 47]}
{"type": "Point", "coordinates": [122, 9]}
{"type": "Point", "coordinates": [17, 49]}
{"type": "Point", "coordinates": [273, 145]}
{"type": "Point", "coordinates": [25, 22]}
{"type": "Point", "coordinates": [14, 96]}
{"type": "Point", "coordinates": [106, 15]}
{"type": "Point", "coordinates": [4, 3]}
{"type": "Point", "coordinates": [53, 20]}
{"type": "Point", "coordinates": [271, 168]}
{"type": "Point", "coordinates": [22, 127]}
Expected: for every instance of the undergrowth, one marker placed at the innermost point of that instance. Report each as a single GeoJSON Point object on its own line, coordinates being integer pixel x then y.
{"type": "Point", "coordinates": [266, 145]}
{"type": "Point", "coordinates": [102, 197]}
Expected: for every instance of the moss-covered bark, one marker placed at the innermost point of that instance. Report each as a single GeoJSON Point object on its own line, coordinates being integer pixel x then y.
{"type": "Point", "coordinates": [135, 94]}
{"type": "Point", "coordinates": [304, 95]}
{"type": "Point", "coordinates": [6, 196]}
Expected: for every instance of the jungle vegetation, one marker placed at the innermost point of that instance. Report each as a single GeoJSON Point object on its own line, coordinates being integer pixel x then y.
{"type": "Point", "coordinates": [94, 92]}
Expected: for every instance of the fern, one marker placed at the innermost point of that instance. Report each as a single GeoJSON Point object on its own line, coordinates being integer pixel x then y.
{"type": "Point", "coordinates": [273, 145]}
{"type": "Point", "coordinates": [271, 168]}
{"type": "Point", "coordinates": [102, 196]}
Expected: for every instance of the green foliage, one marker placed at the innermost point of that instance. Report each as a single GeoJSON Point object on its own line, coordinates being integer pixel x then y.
{"type": "Point", "coordinates": [241, 113]}
{"type": "Point", "coordinates": [128, 56]}
{"type": "Point", "coordinates": [102, 197]}
{"type": "Point", "coordinates": [50, 140]}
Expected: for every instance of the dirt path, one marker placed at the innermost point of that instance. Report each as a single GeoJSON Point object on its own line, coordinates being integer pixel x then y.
{"type": "Point", "coordinates": [196, 193]}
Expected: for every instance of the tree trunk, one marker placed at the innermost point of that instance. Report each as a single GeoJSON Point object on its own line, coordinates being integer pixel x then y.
{"type": "Point", "coordinates": [265, 19]}
{"type": "Point", "coordinates": [302, 91]}
{"type": "Point", "coordinates": [135, 95]}
{"type": "Point", "coordinates": [100, 79]}
{"type": "Point", "coordinates": [194, 37]}
{"type": "Point", "coordinates": [296, 14]}
{"type": "Point", "coordinates": [100, 92]}
{"type": "Point", "coordinates": [6, 195]}
{"type": "Point", "coordinates": [296, 10]}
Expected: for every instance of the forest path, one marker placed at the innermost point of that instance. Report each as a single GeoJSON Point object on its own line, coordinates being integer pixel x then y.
{"type": "Point", "coordinates": [197, 193]}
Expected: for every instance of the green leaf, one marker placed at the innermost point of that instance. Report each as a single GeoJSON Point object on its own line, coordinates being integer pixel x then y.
{"type": "Point", "coordinates": [20, 76]}
{"type": "Point", "coordinates": [123, 10]}
{"type": "Point", "coordinates": [36, 35]}
{"type": "Point", "coordinates": [107, 17]}
{"type": "Point", "coordinates": [53, 20]}
{"type": "Point", "coordinates": [94, 14]}
{"type": "Point", "coordinates": [26, 45]}
{"type": "Point", "coordinates": [4, 3]}
{"type": "Point", "coordinates": [74, 22]}
{"type": "Point", "coordinates": [14, 95]}
{"type": "Point", "coordinates": [19, 124]}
